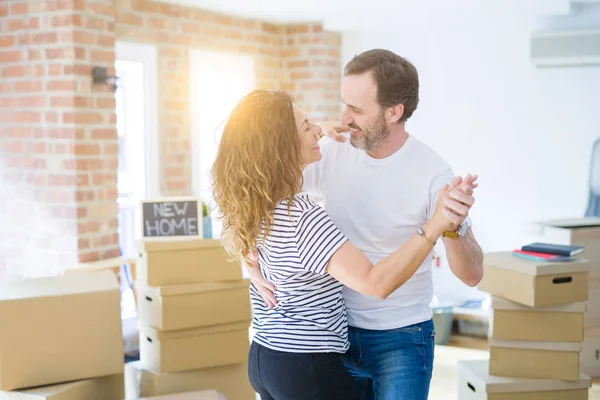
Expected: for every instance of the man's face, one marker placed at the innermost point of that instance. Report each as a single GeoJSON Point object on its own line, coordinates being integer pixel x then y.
{"type": "Point", "coordinates": [362, 113]}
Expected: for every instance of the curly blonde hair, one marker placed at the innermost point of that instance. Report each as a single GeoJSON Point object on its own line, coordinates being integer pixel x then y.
{"type": "Point", "coordinates": [258, 164]}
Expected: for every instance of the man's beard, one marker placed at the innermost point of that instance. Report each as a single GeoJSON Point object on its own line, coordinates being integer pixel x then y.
{"type": "Point", "coordinates": [372, 137]}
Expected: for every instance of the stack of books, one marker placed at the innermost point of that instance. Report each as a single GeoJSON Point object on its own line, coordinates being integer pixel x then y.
{"type": "Point", "coordinates": [548, 252]}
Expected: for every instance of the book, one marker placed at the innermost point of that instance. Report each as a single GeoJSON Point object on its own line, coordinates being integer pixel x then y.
{"type": "Point", "coordinates": [552, 248]}
{"type": "Point", "coordinates": [534, 256]}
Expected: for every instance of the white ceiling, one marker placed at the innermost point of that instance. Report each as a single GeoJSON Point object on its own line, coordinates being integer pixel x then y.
{"type": "Point", "coordinates": [363, 14]}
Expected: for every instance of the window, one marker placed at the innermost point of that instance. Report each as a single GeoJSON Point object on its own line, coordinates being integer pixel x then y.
{"type": "Point", "coordinates": [217, 82]}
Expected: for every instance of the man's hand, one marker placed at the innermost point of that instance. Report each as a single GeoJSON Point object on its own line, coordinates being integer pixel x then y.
{"type": "Point", "coordinates": [334, 129]}
{"type": "Point", "coordinates": [266, 289]}
{"type": "Point", "coordinates": [460, 199]}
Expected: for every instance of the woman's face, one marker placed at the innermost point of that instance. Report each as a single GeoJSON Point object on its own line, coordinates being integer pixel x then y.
{"type": "Point", "coordinates": [309, 137]}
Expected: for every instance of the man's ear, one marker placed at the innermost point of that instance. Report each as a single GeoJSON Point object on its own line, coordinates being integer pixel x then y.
{"type": "Point", "coordinates": [395, 113]}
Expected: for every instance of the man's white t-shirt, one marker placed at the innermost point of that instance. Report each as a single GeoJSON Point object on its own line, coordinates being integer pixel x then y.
{"type": "Point", "coordinates": [379, 204]}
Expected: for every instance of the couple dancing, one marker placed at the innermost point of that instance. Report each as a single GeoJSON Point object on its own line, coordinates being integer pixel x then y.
{"type": "Point", "coordinates": [341, 292]}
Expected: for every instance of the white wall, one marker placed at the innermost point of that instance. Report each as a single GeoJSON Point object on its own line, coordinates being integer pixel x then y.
{"type": "Point", "coordinates": [527, 132]}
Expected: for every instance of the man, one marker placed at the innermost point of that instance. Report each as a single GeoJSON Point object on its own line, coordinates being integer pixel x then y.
{"type": "Point", "coordinates": [379, 189]}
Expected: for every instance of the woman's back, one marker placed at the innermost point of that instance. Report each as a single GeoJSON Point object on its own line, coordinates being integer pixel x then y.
{"type": "Point", "coordinates": [310, 314]}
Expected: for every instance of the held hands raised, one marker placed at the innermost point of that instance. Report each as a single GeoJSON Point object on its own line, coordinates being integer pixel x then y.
{"type": "Point", "coordinates": [454, 203]}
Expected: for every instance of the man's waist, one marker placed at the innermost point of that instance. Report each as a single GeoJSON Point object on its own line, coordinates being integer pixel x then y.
{"type": "Point", "coordinates": [388, 317]}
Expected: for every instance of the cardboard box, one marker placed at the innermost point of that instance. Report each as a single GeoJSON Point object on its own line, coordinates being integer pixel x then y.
{"type": "Point", "coordinates": [195, 305]}
{"type": "Point", "coordinates": [513, 321]}
{"type": "Point", "coordinates": [175, 261]}
{"type": "Point", "coordinates": [111, 387]}
{"type": "Point", "coordinates": [198, 395]}
{"type": "Point", "coordinates": [190, 349]}
{"type": "Point", "coordinates": [475, 383]}
{"type": "Point", "coordinates": [589, 359]}
{"type": "Point", "coordinates": [527, 359]}
{"type": "Point", "coordinates": [231, 380]}
{"type": "Point", "coordinates": [59, 329]}
{"type": "Point", "coordinates": [534, 284]}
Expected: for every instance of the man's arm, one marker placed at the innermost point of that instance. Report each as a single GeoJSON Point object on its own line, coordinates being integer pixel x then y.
{"type": "Point", "coordinates": [465, 258]}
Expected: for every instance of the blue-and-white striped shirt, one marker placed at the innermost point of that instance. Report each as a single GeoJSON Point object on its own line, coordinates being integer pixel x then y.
{"type": "Point", "coordinates": [310, 315]}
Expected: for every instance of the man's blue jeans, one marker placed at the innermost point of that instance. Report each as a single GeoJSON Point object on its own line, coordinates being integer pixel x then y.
{"type": "Point", "coordinates": [393, 364]}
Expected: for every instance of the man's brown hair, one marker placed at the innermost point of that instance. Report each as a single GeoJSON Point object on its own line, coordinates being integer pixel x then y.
{"type": "Point", "coordinates": [396, 78]}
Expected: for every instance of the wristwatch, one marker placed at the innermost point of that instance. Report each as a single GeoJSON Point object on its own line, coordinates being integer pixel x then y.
{"type": "Point", "coordinates": [459, 233]}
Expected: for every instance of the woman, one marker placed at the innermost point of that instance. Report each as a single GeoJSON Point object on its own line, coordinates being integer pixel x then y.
{"type": "Point", "coordinates": [257, 175]}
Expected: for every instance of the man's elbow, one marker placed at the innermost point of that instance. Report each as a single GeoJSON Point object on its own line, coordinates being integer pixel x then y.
{"type": "Point", "coordinates": [474, 277]}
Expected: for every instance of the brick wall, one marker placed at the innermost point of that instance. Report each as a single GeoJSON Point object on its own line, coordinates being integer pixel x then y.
{"type": "Point", "coordinates": [311, 69]}
{"type": "Point", "coordinates": [58, 143]}
{"type": "Point", "coordinates": [303, 59]}
{"type": "Point", "coordinates": [58, 151]}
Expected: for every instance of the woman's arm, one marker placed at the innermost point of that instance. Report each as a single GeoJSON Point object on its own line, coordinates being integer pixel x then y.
{"type": "Point", "coordinates": [352, 268]}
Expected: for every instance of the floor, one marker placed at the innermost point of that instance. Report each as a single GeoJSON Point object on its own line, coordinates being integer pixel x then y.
{"type": "Point", "coordinates": [444, 381]}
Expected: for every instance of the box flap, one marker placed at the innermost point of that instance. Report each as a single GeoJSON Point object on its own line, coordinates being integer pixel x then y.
{"type": "Point", "coordinates": [199, 395]}
{"type": "Point", "coordinates": [499, 303]}
{"type": "Point", "coordinates": [59, 285]}
{"type": "Point", "coordinates": [536, 345]}
{"type": "Point", "coordinates": [506, 260]}
{"type": "Point", "coordinates": [585, 222]}
{"type": "Point", "coordinates": [154, 333]}
{"type": "Point", "coordinates": [173, 290]}
{"type": "Point", "coordinates": [477, 371]}
{"type": "Point", "coordinates": [176, 243]}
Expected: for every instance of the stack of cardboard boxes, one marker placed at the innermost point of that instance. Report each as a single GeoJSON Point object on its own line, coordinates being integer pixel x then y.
{"type": "Point", "coordinates": [60, 338]}
{"type": "Point", "coordinates": [194, 316]}
{"type": "Point", "coordinates": [536, 331]}
{"type": "Point", "coordinates": [583, 232]}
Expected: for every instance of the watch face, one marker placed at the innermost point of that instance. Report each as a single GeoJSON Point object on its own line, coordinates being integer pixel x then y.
{"type": "Point", "coordinates": [462, 229]}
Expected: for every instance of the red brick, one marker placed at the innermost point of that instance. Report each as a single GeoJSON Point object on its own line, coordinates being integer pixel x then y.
{"type": "Point", "coordinates": [101, 56]}
{"type": "Point", "coordinates": [65, 20]}
{"type": "Point", "coordinates": [110, 149]}
{"type": "Point", "coordinates": [83, 244]}
{"type": "Point", "coordinates": [51, 117]}
{"type": "Point", "coordinates": [3, 10]}
{"type": "Point", "coordinates": [19, 24]}
{"type": "Point", "coordinates": [81, 102]}
{"type": "Point", "coordinates": [129, 19]}
{"type": "Point", "coordinates": [318, 28]}
{"type": "Point", "coordinates": [57, 5]}
{"type": "Point", "coordinates": [270, 28]}
{"type": "Point", "coordinates": [87, 149]}
{"type": "Point", "coordinates": [85, 195]}
{"type": "Point", "coordinates": [81, 37]}
{"type": "Point", "coordinates": [38, 147]}
{"type": "Point", "coordinates": [19, 132]}
{"type": "Point", "coordinates": [56, 53]}
{"type": "Point", "coordinates": [14, 71]}
{"type": "Point", "coordinates": [296, 29]}
{"type": "Point", "coordinates": [108, 102]}
{"type": "Point", "coordinates": [171, 10]}
{"type": "Point", "coordinates": [43, 38]}
{"type": "Point", "coordinates": [88, 256]}
{"type": "Point", "coordinates": [61, 85]}
{"type": "Point", "coordinates": [299, 75]}
{"type": "Point", "coordinates": [105, 9]}
{"type": "Point", "coordinates": [34, 54]}
{"type": "Point", "coordinates": [14, 147]}
{"type": "Point", "coordinates": [10, 56]}
{"type": "Point", "coordinates": [190, 27]}
{"type": "Point", "coordinates": [82, 118]}
{"type": "Point", "coordinates": [62, 101]}
{"type": "Point", "coordinates": [234, 35]}
{"type": "Point", "coordinates": [93, 23]}
{"type": "Point", "coordinates": [62, 180]}
{"type": "Point", "coordinates": [27, 116]}
{"type": "Point", "coordinates": [145, 6]}
{"type": "Point", "coordinates": [36, 101]}
{"type": "Point", "coordinates": [61, 133]}
{"type": "Point", "coordinates": [297, 64]}
{"type": "Point", "coordinates": [7, 41]}
{"type": "Point", "coordinates": [105, 40]}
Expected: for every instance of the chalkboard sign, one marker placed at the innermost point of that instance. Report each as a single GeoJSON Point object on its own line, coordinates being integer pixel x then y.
{"type": "Point", "coordinates": [171, 217]}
